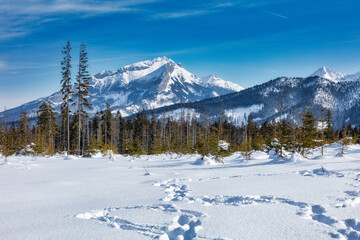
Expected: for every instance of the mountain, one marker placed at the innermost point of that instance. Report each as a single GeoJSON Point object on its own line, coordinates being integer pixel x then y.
{"type": "Point", "coordinates": [148, 84]}
{"type": "Point", "coordinates": [328, 74]}
{"type": "Point", "coordinates": [342, 98]}
{"type": "Point", "coordinates": [335, 76]}
{"type": "Point", "coordinates": [219, 85]}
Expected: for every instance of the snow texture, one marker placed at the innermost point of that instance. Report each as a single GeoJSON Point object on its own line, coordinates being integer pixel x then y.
{"type": "Point", "coordinates": [98, 198]}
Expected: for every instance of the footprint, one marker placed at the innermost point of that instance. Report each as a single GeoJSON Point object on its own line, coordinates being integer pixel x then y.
{"type": "Point", "coordinates": [185, 225]}
{"type": "Point", "coordinates": [175, 191]}
{"type": "Point", "coordinates": [351, 232]}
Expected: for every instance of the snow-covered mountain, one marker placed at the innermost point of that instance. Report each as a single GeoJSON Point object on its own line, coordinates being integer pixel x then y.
{"type": "Point", "coordinates": [342, 98]}
{"type": "Point", "coordinates": [219, 85]}
{"type": "Point", "coordinates": [330, 74]}
{"type": "Point", "coordinates": [148, 84]}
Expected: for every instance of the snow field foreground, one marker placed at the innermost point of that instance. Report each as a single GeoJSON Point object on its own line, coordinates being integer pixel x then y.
{"type": "Point", "coordinates": [99, 198]}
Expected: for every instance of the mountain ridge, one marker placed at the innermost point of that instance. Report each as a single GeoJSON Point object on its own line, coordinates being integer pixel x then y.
{"type": "Point", "coordinates": [147, 84]}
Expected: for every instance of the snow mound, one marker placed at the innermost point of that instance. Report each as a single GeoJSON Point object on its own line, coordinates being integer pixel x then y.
{"type": "Point", "coordinates": [272, 154]}
{"type": "Point", "coordinates": [70, 157]}
{"type": "Point", "coordinates": [296, 157]}
{"type": "Point", "coordinates": [205, 161]}
{"type": "Point", "coordinates": [223, 145]}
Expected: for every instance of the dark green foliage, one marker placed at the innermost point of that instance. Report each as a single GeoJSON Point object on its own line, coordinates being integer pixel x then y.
{"type": "Point", "coordinates": [67, 92]}
{"type": "Point", "coordinates": [308, 133]}
{"type": "Point", "coordinates": [82, 86]}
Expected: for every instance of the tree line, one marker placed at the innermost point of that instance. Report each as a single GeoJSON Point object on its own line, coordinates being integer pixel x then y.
{"type": "Point", "coordinates": [74, 132]}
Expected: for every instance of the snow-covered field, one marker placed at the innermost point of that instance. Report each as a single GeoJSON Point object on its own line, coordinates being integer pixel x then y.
{"type": "Point", "coordinates": [264, 198]}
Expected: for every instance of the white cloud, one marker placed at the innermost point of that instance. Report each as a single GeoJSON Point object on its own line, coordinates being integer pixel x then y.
{"type": "Point", "coordinates": [20, 17]}
{"type": "Point", "coordinates": [3, 65]}
{"type": "Point", "coordinates": [183, 14]}
{"type": "Point", "coordinates": [274, 14]}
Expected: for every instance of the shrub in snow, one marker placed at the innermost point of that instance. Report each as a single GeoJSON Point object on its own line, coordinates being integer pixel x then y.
{"type": "Point", "coordinates": [223, 145]}
{"type": "Point", "coordinates": [96, 147]}
{"type": "Point", "coordinates": [345, 142]}
{"type": "Point", "coordinates": [278, 148]}
{"type": "Point", "coordinates": [246, 149]}
{"type": "Point", "coordinates": [110, 154]}
{"type": "Point", "coordinates": [222, 151]}
{"type": "Point", "coordinates": [28, 150]}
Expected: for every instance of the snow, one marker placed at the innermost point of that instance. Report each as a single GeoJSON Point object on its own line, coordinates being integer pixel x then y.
{"type": "Point", "coordinates": [329, 74]}
{"type": "Point", "coordinates": [96, 198]}
{"type": "Point", "coordinates": [335, 76]}
{"type": "Point", "coordinates": [239, 115]}
{"type": "Point", "coordinates": [205, 161]}
{"type": "Point", "coordinates": [213, 80]}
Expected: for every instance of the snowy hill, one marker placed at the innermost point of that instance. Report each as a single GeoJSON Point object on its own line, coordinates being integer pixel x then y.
{"type": "Point", "coordinates": [148, 84]}
{"type": "Point", "coordinates": [342, 98]}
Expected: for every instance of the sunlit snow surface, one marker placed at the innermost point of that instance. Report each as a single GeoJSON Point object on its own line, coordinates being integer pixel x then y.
{"type": "Point", "coordinates": [101, 198]}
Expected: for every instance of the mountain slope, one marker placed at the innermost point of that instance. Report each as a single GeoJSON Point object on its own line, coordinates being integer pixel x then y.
{"type": "Point", "coordinates": [148, 84]}
{"type": "Point", "coordinates": [341, 98]}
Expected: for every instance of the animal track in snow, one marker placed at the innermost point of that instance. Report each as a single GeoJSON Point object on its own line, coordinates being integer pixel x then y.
{"type": "Point", "coordinates": [350, 232]}
{"type": "Point", "coordinates": [321, 172]}
{"type": "Point", "coordinates": [184, 225]}
{"type": "Point", "coordinates": [175, 191]}
{"type": "Point", "coordinates": [352, 199]}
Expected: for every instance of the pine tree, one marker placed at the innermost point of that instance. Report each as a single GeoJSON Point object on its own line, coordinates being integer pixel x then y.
{"type": "Point", "coordinates": [47, 126]}
{"type": "Point", "coordinates": [245, 146]}
{"type": "Point", "coordinates": [66, 91]}
{"type": "Point", "coordinates": [82, 86]}
{"type": "Point", "coordinates": [345, 142]}
{"type": "Point", "coordinates": [309, 133]}
{"type": "Point", "coordinates": [23, 131]}
{"type": "Point", "coordinates": [107, 119]}
{"type": "Point", "coordinates": [322, 122]}
{"type": "Point", "coordinates": [329, 130]}
{"type": "Point", "coordinates": [281, 108]}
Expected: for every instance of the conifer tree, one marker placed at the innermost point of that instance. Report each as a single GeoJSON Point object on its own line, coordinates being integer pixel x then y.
{"type": "Point", "coordinates": [66, 91]}
{"type": "Point", "coordinates": [245, 146]}
{"type": "Point", "coordinates": [309, 133]}
{"type": "Point", "coordinates": [47, 126]}
{"type": "Point", "coordinates": [322, 122]}
{"type": "Point", "coordinates": [82, 86]}
{"type": "Point", "coordinates": [23, 131]}
{"type": "Point", "coordinates": [329, 130]}
{"type": "Point", "coordinates": [7, 143]}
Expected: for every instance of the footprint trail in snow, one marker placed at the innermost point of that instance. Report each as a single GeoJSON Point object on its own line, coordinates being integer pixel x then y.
{"type": "Point", "coordinates": [185, 224]}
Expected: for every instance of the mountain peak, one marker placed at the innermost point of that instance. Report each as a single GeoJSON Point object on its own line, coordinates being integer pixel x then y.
{"type": "Point", "coordinates": [329, 74]}
{"type": "Point", "coordinates": [212, 80]}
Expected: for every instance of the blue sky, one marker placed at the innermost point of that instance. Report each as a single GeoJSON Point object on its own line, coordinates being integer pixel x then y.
{"type": "Point", "coordinates": [244, 41]}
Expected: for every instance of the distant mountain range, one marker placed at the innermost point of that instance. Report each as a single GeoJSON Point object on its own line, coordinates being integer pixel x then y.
{"type": "Point", "coordinates": [148, 84]}
{"type": "Point", "coordinates": [165, 86]}
{"type": "Point", "coordinates": [339, 93]}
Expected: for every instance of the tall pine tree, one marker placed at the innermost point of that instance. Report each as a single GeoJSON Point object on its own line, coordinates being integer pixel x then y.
{"type": "Point", "coordinates": [66, 91]}
{"type": "Point", "coordinates": [82, 86]}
